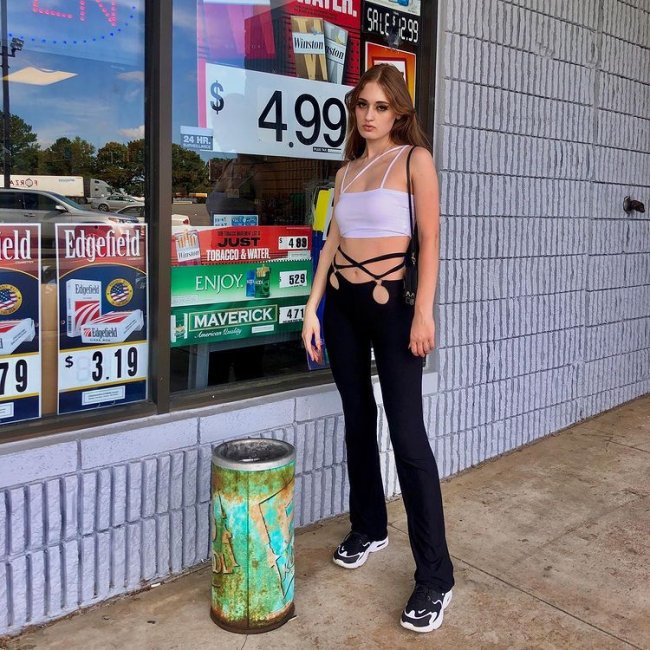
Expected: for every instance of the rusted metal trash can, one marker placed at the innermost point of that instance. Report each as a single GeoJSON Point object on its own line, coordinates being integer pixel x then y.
{"type": "Point", "coordinates": [252, 534]}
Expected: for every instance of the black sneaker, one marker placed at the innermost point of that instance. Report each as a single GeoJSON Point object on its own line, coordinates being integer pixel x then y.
{"type": "Point", "coordinates": [353, 551]}
{"type": "Point", "coordinates": [424, 610]}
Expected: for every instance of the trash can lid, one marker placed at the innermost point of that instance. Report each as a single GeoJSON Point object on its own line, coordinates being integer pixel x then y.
{"type": "Point", "coordinates": [253, 454]}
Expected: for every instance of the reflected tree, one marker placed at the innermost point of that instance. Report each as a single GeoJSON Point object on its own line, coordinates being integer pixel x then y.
{"type": "Point", "coordinates": [189, 172]}
{"type": "Point", "coordinates": [24, 148]}
{"type": "Point", "coordinates": [135, 159]}
{"type": "Point", "coordinates": [112, 164]}
{"type": "Point", "coordinates": [67, 157]}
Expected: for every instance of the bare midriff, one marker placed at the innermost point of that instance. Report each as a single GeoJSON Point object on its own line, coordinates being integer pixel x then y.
{"type": "Point", "coordinates": [366, 248]}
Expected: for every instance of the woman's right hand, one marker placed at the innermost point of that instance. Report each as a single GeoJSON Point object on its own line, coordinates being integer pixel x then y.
{"type": "Point", "coordinates": [311, 336]}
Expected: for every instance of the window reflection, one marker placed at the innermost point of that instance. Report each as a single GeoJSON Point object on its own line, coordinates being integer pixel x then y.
{"type": "Point", "coordinates": [269, 132]}
{"type": "Point", "coordinates": [76, 91]}
{"type": "Point", "coordinates": [73, 135]}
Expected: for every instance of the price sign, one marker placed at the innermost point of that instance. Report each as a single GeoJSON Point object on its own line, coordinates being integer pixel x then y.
{"type": "Point", "coordinates": [293, 243]}
{"type": "Point", "coordinates": [294, 314]}
{"type": "Point", "coordinates": [20, 322]}
{"type": "Point", "coordinates": [102, 298]}
{"type": "Point", "coordinates": [110, 364]}
{"type": "Point", "coordinates": [293, 279]}
{"type": "Point", "coordinates": [261, 113]}
{"type": "Point", "coordinates": [395, 26]}
{"type": "Point", "coordinates": [20, 377]}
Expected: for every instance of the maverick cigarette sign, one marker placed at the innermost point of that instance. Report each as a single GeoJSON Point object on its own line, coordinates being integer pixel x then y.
{"type": "Point", "coordinates": [102, 301]}
{"type": "Point", "coordinates": [20, 341]}
{"type": "Point", "coordinates": [232, 283]}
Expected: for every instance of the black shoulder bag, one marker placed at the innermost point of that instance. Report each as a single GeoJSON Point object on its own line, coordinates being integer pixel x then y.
{"type": "Point", "coordinates": [413, 250]}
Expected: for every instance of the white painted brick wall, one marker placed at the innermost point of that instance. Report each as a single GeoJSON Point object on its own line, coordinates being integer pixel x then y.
{"type": "Point", "coordinates": [544, 313]}
{"type": "Point", "coordinates": [542, 134]}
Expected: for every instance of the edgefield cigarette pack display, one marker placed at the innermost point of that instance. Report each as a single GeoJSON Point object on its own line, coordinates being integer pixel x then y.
{"type": "Point", "coordinates": [84, 301]}
{"type": "Point", "coordinates": [15, 332]}
{"type": "Point", "coordinates": [113, 327]}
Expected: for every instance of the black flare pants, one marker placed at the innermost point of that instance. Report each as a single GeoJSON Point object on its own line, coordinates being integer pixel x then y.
{"type": "Point", "coordinates": [353, 323]}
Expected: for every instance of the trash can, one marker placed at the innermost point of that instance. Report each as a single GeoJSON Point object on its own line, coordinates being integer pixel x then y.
{"type": "Point", "coordinates": [252, 535]}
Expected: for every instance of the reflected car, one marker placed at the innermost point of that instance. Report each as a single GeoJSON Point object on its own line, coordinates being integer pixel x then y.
{"type": "Point", "coordinates": [112, 202]}
{"type": "Point", "coordinates": [138, 212]}
{"type": "Point", "coordinates": [48, 209]}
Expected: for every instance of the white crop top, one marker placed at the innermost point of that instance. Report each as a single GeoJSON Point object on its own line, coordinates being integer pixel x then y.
{"type": "Point", "coordinates": [373, 213]}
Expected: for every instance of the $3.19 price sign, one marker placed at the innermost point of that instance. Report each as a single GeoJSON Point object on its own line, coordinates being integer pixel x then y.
{"type": "Point", "coordinates": [268, 114]}
{"type": "Point", "coordinates": [108, 364]}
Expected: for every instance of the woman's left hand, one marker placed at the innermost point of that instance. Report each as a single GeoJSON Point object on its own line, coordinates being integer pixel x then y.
{"type": "Point", "coordinates": [423, 332]}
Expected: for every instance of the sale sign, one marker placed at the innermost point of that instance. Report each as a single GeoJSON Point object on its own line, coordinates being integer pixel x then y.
{"type": "Point", "coordinates": [269, 114]}
{"type": "Point", "coordinates": [304, 43]}
{"type": "Point", "coordinates": [240, 282]}
{"type": "Point", "coordinates": [395, 23]}
{"type": "Point", "coordinates": [203, 285]}
{"type": "Point", "coordinates": [211, 245]}
{"type": "Point", "coordinates": [20, 317]}
{"type": "Point", "coordinates": [236, 321]}
{"type": "Point", "coordinates": [102, 307]}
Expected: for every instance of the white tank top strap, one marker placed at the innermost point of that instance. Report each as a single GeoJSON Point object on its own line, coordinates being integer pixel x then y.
{"type": "Point", "coordinates": [392, 162]}
{"type": "Point", "coordinates": [345, 175]}
{"type": "Point", "coordinates": [344, 187]}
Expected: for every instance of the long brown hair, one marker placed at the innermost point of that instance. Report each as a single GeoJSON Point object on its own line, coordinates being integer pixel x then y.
{"type": "Point", "coordinates": [406, 130]}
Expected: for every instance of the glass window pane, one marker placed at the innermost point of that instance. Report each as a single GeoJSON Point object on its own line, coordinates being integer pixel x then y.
{"type": "Point", "coordinates": [72, 132]}
{"type": "Point", "coordinates": [259, 125]}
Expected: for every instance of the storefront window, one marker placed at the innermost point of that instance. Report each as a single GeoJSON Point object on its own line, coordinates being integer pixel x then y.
{"type": "Point", "coordinates": [259, 118]}
{"type": "Point", "coordinates": [73, 252]}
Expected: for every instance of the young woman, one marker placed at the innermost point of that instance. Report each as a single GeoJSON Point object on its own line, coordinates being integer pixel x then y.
{"type": "Point", "coordinates": [361, 269]}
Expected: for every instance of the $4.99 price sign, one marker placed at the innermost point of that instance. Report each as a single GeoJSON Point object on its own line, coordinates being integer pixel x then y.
{"type": "Point", "coordinates": [93, 367]}
{"type": "Point", "coordinates": [268, 114]}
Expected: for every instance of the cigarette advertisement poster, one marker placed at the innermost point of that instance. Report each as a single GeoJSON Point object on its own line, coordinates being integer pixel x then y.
{"type": "Point", "coordinates": [402, 60]}
{"type": "Point", "coordinates": [20, 317]}
{"type": "Point", "coordinates": [102, 315]}
{"type": "Point", "coordinates": [238, 283]}
{"type": "Point", "coordinates": [272, 76]}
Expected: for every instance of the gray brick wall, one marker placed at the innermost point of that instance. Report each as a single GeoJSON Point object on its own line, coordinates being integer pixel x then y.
{"type": "Point", "coordinates": [542, 118]}
{"type": "Point", "coordinates": [542, 130]}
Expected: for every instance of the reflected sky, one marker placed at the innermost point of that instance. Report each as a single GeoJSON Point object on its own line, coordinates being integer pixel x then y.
{"type": "Point", "coordinates": [101, 42]}
{"type": "Point", "coordinates": [103, 30]}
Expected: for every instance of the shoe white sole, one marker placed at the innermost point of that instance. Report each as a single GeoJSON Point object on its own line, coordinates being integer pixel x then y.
{"type": "Point", "coordinates": [373, 548]}
{"type": "Point", "coordinates": [434, 625]}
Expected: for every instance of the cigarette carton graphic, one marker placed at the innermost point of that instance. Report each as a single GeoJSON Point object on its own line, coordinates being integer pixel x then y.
{"type": "Point", "coordinates": [84, 298]}
{"type": "Point", "coordinates": [336, 43]}
{"type": "Point", "coordinates": [308, 42]}
{"type": "Point", "coordinates": [188, 248]}
{"type": "Point", "coordinates": [15, 332]}
{"type": "Point", "coordinates": [113, 327]}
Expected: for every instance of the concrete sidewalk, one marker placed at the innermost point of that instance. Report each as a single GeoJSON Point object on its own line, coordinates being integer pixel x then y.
{"type": "Point", "coordinates": [550, 545]}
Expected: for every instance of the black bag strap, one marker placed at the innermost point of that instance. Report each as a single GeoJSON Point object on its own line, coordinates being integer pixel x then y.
{"type": "Point", "coordinates": [413, 245]}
